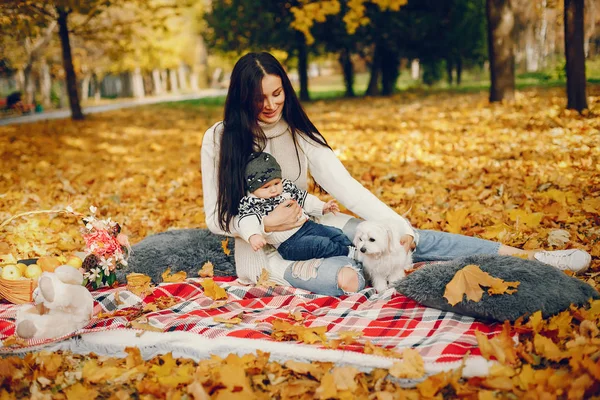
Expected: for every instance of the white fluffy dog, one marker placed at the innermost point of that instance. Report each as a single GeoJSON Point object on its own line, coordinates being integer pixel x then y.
{"type": "Point", "coordinates": [384, 258]}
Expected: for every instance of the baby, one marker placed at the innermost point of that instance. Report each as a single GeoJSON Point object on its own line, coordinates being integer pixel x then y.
{"type": "Point", "coordinates": [266, 190]}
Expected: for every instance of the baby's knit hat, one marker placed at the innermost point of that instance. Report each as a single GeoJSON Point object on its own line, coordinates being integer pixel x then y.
{"type": "Point", "coordinates": [261, 168]}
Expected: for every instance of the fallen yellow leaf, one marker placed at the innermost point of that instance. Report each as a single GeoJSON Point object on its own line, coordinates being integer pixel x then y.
{"type": "Point", "coordinates": [469, 280]}
{"type": "Point", "coordinates": [173, 278]}
{"type": "Point", "coordinates": [212, 290]}
{"type": "Point", "coordinates": [207, 270]}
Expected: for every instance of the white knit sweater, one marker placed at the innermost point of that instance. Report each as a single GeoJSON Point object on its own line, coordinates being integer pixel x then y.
{"type": "Point", "coordinates": [325, 168]}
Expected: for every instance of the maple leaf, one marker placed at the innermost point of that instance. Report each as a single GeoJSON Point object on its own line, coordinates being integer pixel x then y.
{"type": "Point", "coordinates": [224, 244]}
{"type": "Point", "coordinates": [303, 368]}
{"type": "Point", "coordinates": [531, 220]}
{"type": "Point", "coordinates": [79, 391]}
{"type": "Point", "coordinates": [139, 284]}
{"type": "Point", "coordinates": [501, 346]}
{"type": "Point", "coordinates": [469, 280]}
{"type": "Point", "coordinates": [456, 220]}
{"type": "Point", "coordinates": [263, 280]}
{"type": "Point", "coordinates": [411, 366]}
{"type": "Point", "coordinates": [229, 322]}
{"type": "Point", "coordinates": [207, 270]}
{"type": "Point", "coordinates": [212, 290]}
{"type": "Point", "coordinates": [173, 278]}
{"type": "Point", "coordinates": [558, 237]}
{"type": "Point", "coordinates": [545, 347]}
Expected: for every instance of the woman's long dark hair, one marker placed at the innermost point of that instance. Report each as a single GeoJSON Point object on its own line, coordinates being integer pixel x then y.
{"type": "Point", "coordinates": [241, 133]}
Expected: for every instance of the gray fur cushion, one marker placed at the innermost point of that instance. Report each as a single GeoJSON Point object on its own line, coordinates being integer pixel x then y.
{"type": "Point", "coordinates": [542, 288]}
{"type": "Point", "coordinates": [182, 250]}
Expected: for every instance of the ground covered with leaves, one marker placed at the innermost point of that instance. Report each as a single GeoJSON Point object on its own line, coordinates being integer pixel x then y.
{"type": "Point", "coordinates": [525, 174]}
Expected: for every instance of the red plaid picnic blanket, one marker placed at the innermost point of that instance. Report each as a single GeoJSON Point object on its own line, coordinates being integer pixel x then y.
{"type": "Point", "coordinates": [389, 320]}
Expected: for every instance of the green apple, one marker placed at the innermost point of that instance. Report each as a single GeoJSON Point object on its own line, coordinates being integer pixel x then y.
{"type": "Point", "coordinates": [22, 268]}
{"type": "Point", "coordinates": [33, 271]}
{"type": "Point", "coordinates": [74, 262]}
{"type": "Point", "coordinates": [11, 272]}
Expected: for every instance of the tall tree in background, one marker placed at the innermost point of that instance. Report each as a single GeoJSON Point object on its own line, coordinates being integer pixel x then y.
{"type": "Point", "coordinates": [241, 24]}
{"type": "Point", "coordinates": [576, 85]}
{"type": "Point", "coordinates": [500, 48]}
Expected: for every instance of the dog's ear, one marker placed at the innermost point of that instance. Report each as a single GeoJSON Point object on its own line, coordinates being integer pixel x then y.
{"type": "Point", "coordinates": [393, 237]}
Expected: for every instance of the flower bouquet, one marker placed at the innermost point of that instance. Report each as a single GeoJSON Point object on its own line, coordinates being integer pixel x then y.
{"type": "Point", "coordinates": [107, 250]}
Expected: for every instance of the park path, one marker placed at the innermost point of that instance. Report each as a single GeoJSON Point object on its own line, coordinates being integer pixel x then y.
{"type": "Point", "coordinates": [58, 114]}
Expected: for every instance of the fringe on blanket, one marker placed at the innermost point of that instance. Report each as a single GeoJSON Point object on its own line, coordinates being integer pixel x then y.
{"type": "Point", "coordinates": [191, 346]}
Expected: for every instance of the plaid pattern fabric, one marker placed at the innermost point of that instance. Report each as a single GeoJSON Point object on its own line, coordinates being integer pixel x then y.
{"type": "Point", "coordinates": [389, 320]}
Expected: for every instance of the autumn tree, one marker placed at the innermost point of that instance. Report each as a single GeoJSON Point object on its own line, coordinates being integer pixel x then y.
{"type": "Point", "coordinates": [574, 52]}
{"type": "Point", "coordinates": [238, 25]}
{"type": "Point", "coordinates": [500, 47]}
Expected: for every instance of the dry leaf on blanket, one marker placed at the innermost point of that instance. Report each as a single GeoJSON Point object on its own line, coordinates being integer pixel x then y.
{"type": "Point", "coordinates": [212, 290]}
{"type": "Point", "coordinates": [229, 322]}
{"type": "Point", "coordinates": [345, 338]}
{"type": "Point", "coordinates": [207, 270]}
{"type": "Point", "coordinates": [118, 300]}
{"type": "Point", "coordinates": [411, 366]}
{"type": "Point", "coordinates": [224, 244]}
{"type": "Point", "coordinates": [173, 278]}
{"type": "Point", "coordinates": [161, 303]}
{"type": "Point", "coordinates": [139, 284]}
{"type": "Point", "coordinates": [371, 348]}
{"type": "Point", "coordinates": [469, 280]}
{"type": "Point", "coordinates": [142, 323]}
{"type": "Point", "coordinates": [284, 331]}
{"type": "Point", "coordinates": [264, 281]}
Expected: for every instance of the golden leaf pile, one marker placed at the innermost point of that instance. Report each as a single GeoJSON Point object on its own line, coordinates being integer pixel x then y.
{"type": "Point", "coordinates": [523, 174]}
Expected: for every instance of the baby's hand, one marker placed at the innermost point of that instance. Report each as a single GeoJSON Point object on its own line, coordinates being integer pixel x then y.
{"type": "Point", "coordinates": [257, 242]}
{"type": "Point", "coordinates": [331, 206]}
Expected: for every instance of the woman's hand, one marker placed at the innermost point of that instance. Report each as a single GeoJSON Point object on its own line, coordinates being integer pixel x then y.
{"type": "Point", "coordinates": [286, 216]}
{"type": "Point", "coordinates": [408, 242]}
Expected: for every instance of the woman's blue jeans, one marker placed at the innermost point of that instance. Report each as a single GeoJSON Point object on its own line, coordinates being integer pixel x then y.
{"type": "Point", "coordinates": [433, 246]}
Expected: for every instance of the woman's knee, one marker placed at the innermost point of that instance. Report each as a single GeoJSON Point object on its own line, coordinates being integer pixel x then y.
{"type": "Point", "coordinates": [348, 279]}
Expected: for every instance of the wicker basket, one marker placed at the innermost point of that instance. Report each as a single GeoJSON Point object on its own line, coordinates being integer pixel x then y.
{"type": "Point", "coordinates": [18, 291]}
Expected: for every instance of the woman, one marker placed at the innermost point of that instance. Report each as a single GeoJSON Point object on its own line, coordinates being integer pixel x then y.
{"type": "Point", "coordinates": [262, 113]}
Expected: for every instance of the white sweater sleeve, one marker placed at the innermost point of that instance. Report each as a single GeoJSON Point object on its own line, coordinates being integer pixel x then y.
{"type": "Point", "coordinates": [331, 174]}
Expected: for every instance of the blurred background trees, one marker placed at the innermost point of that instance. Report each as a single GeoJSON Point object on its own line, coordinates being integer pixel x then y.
{"type": "Point", "coordinates": [65, 52]}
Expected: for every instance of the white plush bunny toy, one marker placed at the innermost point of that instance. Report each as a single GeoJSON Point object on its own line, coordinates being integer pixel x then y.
{"type": "Point", "coordinates": [62, 305]}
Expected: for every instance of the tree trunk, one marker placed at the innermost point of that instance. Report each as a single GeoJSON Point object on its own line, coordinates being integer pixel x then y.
{"type": "Point", "coordinates": [458, 70]}
{"type": "Point", "coordinates": [182, 76]}
{"type": "Point", "coordinates": [576, 96]}
{"type": "Point", "coordinates": [373, 87]}
{"type": "Point", "coordinates": [28, 83]}
{"type": "Point", "coordinates": [45, 84]}
{"type": "Point", "coordinates": [200, 68]}
{"type": "Point", "coordinates": [157, 82]}
{"type": "Point", "coordinates": [303, 70]}
{"type": "Point", "coordinates": [173, 81]}
{"type": "Point", "coordinates": [137, 81]}
{"type": "Point", "coordinates": [389, 73]}
{"type": "Point", "coordinates": [415, 70]}
{"type": "Point", "coordinates": [85, 87]}
{"type": "Point", "coordinates": [71, 78]}
{"type": "Point", "coordinates": [531, 53]}
{"type": "Point", "coordinates": [449, 68]}
{"type": "Point", "coordinates": [348, 70]}
{"type": "Point", "coordinates": [500, 46]}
